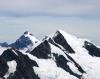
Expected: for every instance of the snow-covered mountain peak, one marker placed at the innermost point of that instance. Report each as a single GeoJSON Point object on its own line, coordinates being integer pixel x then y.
{"type": "Point", "coordinates": [65, 34]}
{"type": "Point", "coordinates": [26, 32]}
{"type": "Point", "coordinates": [26, 42]}
{"type": "Point", "coordinates": [69, 42]}
{"type": "Point", "coordinates": [29, 35]}
{"type": "Point", "coordinates": [62, 32]}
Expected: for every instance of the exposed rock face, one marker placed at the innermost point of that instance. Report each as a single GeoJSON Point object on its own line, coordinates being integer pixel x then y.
{"type": "Point", "coordinates": [23, 65]}
{"type": "Point", "coordinates": [59, 39]}
{"type": "Point", "coordinates": [42, 51]}
{"type": "Point", "coordinates": [93, 50]}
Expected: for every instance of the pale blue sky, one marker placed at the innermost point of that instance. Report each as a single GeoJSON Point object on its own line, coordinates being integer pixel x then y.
{"type": "Point", "coordinates": [43, 17]}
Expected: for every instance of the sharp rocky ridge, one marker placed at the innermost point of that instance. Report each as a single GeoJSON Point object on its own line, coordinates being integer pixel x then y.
{"type": "Point", "coordinates": [58, 56]}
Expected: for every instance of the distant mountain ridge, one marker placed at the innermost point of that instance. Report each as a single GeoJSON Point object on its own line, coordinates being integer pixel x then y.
{"type": "Point", "coordinates": [24, 42]}
{"type": "Point", "coordinates": [57, 56]}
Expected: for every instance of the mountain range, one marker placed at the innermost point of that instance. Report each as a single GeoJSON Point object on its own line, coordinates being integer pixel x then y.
{"type": "Point", "coordinates": [57, 56]}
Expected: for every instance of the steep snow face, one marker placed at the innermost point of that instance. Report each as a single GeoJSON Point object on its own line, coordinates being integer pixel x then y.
{"type": "Point", "coordinates": [81, 50]}
{"type": "Point", "coordinates": [25, 42]}
{"type": "Point", "coordinates": [51, 71]}
{"type": "Point", "coordinates": [71, 43]}
{"type": "Point", "coordinates": [46, 51]}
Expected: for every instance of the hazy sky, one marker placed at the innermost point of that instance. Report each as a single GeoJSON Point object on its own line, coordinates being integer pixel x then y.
{"type": "Point", "coordinates": [43, 17]}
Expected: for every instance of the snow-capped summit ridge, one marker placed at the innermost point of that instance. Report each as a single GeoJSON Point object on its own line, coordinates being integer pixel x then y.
{"type": "Point", "coordinates": [25, 42]}
{"type": "Point", "coordinates": [26, 33]}
{"type": "Point", "coordinates": [74, 42]}
{"type": "Point", "coordinates": [65, 34]}
{"type": "Point", "coordinates": [28, 36]}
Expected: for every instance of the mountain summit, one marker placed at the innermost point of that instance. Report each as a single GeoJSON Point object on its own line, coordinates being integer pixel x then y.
{"type": "Point", "coordinates": [26, 41]}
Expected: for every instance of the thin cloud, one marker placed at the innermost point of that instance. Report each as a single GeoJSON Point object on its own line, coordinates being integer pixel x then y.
{"type": "Point", "coordinates": [49, 7]}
